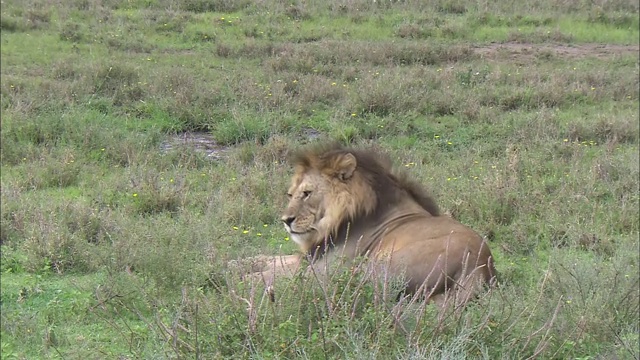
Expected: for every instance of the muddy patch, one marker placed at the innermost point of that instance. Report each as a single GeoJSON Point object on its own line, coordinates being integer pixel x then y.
{"type": "Point", "coordinates": [526, 52]}
{"type": "Point", "coordinates": [199, 142]}
{"type": "Point", "coordinates": [311, 134]}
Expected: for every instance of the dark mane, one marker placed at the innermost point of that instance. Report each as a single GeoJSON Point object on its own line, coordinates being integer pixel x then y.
{"type": "Point", "coordinates": [377, 170]}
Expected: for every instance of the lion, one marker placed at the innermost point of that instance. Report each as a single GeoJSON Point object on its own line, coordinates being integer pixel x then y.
{"type": "Point", "coordinates": [346, 203]}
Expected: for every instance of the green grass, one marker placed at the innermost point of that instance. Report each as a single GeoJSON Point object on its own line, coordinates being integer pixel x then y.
{"type": "Point", "coordinates": [521, 119]}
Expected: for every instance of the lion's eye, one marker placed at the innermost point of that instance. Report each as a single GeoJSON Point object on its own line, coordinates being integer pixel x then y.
{"type": "Point", "coordinates": [306, 194]}
{"type": "Point", "coordinates": [289, 195]}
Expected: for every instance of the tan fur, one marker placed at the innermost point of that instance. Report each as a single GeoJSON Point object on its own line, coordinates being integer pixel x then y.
{"type": "Point", "coordinates": [348, 203]}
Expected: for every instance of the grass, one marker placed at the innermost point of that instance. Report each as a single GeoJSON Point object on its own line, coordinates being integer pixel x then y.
{"type": "Point", "coordinates": [517, 117]}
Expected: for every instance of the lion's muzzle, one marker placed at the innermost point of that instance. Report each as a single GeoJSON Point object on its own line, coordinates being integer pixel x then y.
{"type": "Point", "coordinates": [288, 220]}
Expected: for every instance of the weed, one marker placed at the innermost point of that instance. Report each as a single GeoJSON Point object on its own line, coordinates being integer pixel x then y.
{"type": "Point", "coordinates": [72, 32]}
{"type": "Point", "coordinates": [9, 23]}
{"type": "Point", "coordinates": [38, 18]}
{"type": "Point", "coordinates": [452, 7]}
{"type": "Point", "coordinates": [119, 83]}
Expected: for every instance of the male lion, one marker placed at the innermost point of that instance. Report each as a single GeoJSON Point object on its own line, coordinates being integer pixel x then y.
{"type": "Point", "coordinates": [348, 203]}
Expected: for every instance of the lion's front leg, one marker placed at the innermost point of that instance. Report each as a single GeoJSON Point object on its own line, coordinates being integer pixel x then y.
{"type": "Point", "coordinates": [279, 266]}
{"type": "Point", "coordinates": [268, 268]}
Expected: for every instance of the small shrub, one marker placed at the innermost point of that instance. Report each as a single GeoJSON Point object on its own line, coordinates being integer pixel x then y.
{"type": "Point", "coordinates": [539, 36]}
{"type": "Point", "coordinates": [454, 30]}
{"type": "Point", "coordinates": [119, 83]}
{"type": "Point", "coordinates": [424, 54]}
{"type": "Point", "coordinates": [55, 175]}
{"type": "Point", "coordinates": [51, 248]}
{"type": "Point", "coordinates": [297, 12]}
{"type": "Point", "coordinates": [205, 36]}
{"type": "Point", "coordinates": [619, 19]}
{"type": "Point", "coordinates": [66, 70]}
{"type": "Point", "coordinates": [38, 18]}
{"type": "Point", "coordinates": [154, 201]}
{"type": "Point", "coordinates": [443, 106]}
{"type": "Point", "coordinates": [8, 23]}
{"type": "Point", "coordinates": [299, 62]}
{"type": "Point", "coordinates": [14, 223]}
{"type": "Point", "coordinates": [413, 31]}
{"type": "Point", "coordinates": [452, 7]}
{"type": "Point", "coordinates": [86, 224]}
{"type": "Point", "coordinates": [11, 261]}
{"type": "Point", "coordinates": [472, 77]}
{"type": "Point", "coordinates": [171, 21]}
{"type": "Point", "coordinates": [154, 195]}
{"type": "Point", "coordinates": [71, 31]}
{"type": "Point", "coordinates": [276, 150]}
{"type": "Point", "coordinates": [612, 305]}
{"type": "Point", "coordinates": [135, 43]}
{"type": "Point", "coordinates": [379, 101]}
{"type": "Point", "coordinates": [604, 130]}
{"type": "Point", "coordinates": [316, 89]}
{"type": "Point", "coordinates": [238, 129]}
{"type": "Point", "coordinates": [246, 153]}
{"type": "Point", "coordinates": [223, 50]}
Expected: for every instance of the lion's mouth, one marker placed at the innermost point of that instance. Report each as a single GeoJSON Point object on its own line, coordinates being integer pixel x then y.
{"type": "Point", "coordinates": [299, 237]}
{"type": "Point", "coordinates": [298, 233]}
{"type": "Point", "coordinates": [291, 231]}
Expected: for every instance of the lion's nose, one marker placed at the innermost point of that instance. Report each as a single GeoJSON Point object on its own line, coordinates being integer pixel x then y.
{"type": "Point", "coordinates": [288, 220]}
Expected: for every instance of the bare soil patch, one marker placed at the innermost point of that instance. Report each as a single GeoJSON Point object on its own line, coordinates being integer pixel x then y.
{"type": "Point", "coordinates": [200, 142]}
{"type": "Point", "coordinates": [525, 52]}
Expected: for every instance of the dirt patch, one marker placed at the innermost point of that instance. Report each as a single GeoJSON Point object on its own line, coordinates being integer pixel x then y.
{"type": "Point", "coordinates": [526, 52]}
{"type": "Point", "coordinates": [199, 142]}
{"type": "Point", "coordinates": [311, 134]}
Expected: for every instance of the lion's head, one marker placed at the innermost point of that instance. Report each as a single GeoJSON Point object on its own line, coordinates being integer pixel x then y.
{"type": "Point", "coordinates": [332, 185]}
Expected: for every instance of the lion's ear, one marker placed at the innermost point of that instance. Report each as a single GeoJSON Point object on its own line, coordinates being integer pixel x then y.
{"type": "Point", "coordinates": [344, 166]}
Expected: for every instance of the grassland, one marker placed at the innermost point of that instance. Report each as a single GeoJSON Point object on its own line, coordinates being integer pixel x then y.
{"type": "Point", "coordinates": [521, 119]}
